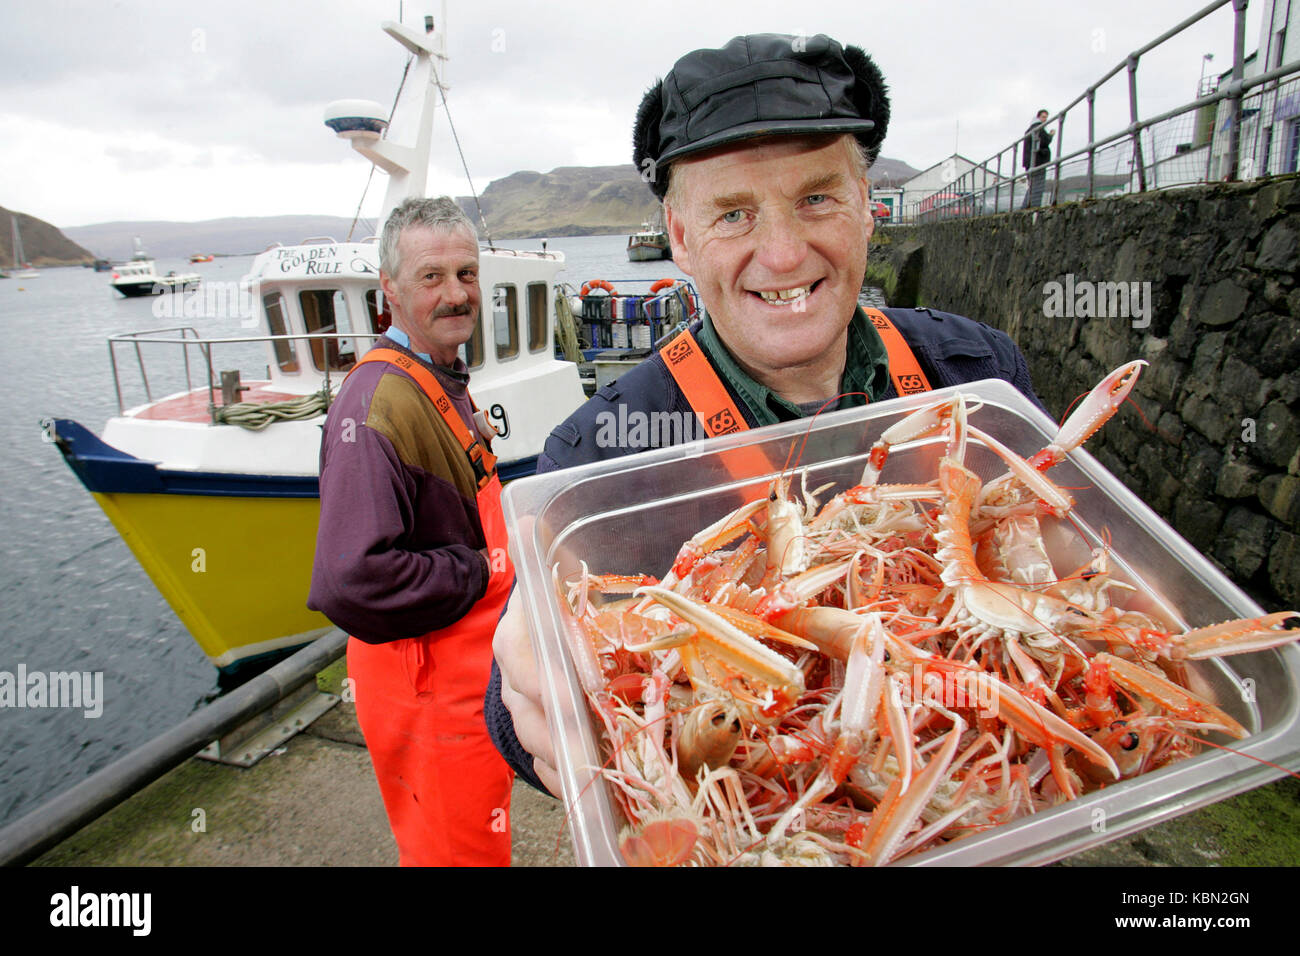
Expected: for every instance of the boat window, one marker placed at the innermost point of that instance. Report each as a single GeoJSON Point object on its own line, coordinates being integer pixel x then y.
{"type": "Point", "coordinates": [471, 352]}
{"type": "Point", "coordinates": [537, 306]}
{"type": "Point", "coordinates": [380, 317]}
{"type": "Point", "coordinates": [284, 354]}
{"type": "Point", "coordinates": [326, 310]}
{"type": "Point", "coordinates": [505, 320]}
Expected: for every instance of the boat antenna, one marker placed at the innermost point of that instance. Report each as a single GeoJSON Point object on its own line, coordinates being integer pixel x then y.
{"type": "Point", "coordinates": [406, 70]}
{"type": "Point", "coordinates": [477, 205]}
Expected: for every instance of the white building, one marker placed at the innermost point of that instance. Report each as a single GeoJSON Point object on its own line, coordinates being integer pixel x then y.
{"type": "Point", "coordinates": [955, 184]}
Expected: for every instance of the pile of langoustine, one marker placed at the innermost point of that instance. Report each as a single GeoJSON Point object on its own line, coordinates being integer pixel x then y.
{"type": "Point", "coordinates": [853, 682]}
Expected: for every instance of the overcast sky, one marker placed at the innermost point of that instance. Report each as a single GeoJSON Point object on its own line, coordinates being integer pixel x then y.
{"type": "Point", "coordinates": [145, 109]}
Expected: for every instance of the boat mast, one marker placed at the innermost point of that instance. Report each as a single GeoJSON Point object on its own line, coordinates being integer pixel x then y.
{"type": "Point", "coordinates": [408, 165]}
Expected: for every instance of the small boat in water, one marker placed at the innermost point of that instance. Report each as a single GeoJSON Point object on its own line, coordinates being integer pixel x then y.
{"type": "Point", "coordinates": [140, 277]}
{"type": "Point", "coordinates": [199, 257]}
{"type": "Point", "coordinates": [216, 487]}
{"type": "Point", "coordinates": [648, 245]}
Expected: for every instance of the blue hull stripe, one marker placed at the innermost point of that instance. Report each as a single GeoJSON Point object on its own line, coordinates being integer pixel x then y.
{"type": "Point", "coordinates": [105, 470]}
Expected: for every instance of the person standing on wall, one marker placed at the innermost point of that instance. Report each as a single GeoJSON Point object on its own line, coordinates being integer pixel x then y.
{"type": "Point", "coordinates": [1037, 153]}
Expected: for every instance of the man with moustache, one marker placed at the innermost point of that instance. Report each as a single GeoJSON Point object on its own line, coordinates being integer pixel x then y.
{"type": "Point", "coordinates": [759, 151]}
{"type": "Point", "coordinates": [411, 553]}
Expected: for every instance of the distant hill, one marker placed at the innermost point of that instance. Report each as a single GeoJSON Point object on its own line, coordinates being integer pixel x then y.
{"type": "Point", "coordinates": [891, 172]}
{"type": "Point", "coordinates": [223, 237]}
{"type": "Point", "coordinates": [591, 200]}
{"type": "Point", "coordinates": [567, 201]}
{"type": "Point", "coordinates": [43, 244]}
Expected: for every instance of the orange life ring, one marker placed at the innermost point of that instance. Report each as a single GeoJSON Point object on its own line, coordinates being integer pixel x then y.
{"type": "Point", "coordinates": [593, 285]}
{"type": "Point", "coordinates": [662, 284]}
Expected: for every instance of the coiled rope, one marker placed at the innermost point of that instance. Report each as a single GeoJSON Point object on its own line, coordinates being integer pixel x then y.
{"type": "Point", "coordinates": [256, 416]}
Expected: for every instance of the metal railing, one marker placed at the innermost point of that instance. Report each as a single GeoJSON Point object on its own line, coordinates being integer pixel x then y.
{"type": "Point", "coordinates": [54, 821]}
{"type": "Point", "coordinates": [189, 339]}
{"type": "Point", "coordinates": [1222, 135]}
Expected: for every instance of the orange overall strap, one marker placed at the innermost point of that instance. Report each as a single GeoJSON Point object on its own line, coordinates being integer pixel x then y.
{"type": "Point", "coordinates": [709, 399]}
{"type": "Point", "coordinates": [701, 386]}
{"type": "Point", "coordinates": [482, 460]}
{"type": "Point", "coordinates": [904, 369]}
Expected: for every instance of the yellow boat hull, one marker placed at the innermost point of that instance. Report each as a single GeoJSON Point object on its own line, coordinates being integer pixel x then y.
{"type": "Point", "coordinates": [235, 570]}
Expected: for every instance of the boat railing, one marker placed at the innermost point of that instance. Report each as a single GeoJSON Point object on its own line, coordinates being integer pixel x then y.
{"type": "Point", "coordinates": [520, 253]}
{"type": "Point", "coordinates": [187, 338]}
{"type": "Point", "coordinates": [1237, 128]}
{"type": "Point", "coordinates": [135, 339]}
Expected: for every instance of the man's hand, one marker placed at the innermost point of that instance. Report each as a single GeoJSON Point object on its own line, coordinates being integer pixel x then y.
{"type": "Point", "coordinates": [521, 692]}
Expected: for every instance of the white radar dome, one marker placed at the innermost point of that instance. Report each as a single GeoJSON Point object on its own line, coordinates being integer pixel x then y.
{"type": "Point", "coordinates": [356, 119]}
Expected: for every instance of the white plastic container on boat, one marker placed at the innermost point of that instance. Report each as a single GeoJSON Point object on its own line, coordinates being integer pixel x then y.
{"type": "Point", "coordinates": [618, 330]}
{"type": "Point", "coordinates": [631, 515]}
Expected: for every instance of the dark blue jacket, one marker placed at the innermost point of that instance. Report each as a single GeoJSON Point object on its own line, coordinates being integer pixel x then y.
{"type": "Point", "coordinates": [951, 350]}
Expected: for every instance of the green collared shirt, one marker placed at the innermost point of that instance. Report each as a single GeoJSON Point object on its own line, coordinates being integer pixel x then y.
{"type": "Point", "coordinates": [866, 373]}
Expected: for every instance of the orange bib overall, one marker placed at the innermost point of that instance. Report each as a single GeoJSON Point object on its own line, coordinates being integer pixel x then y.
{"type": "Point", "coordinates": [420, 705]}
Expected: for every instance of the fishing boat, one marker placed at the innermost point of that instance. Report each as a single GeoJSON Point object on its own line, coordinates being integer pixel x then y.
{"type": "Point", "coordinates": [649, 244]}
{"type": "Point", "coordinates": [22, 268]}
{"type": "Point", "coordinates": [139, 277]}
{"type": "Point", "coordinates": [216, 487]}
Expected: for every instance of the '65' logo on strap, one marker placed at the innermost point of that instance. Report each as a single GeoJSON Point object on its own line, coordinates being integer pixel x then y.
{"type": "Point", "coordinates": [723, 423]}
{"type": "Point", "coordinates": [879, 322]}
{"type": "Point", "coordinates": [910, 384]}
{"type": "Point", "coordinates": [679, 351]}
{"type": "Point", "coordinates": [443, 403]}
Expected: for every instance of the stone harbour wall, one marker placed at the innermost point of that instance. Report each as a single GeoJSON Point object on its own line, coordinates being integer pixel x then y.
{"type": "Point", "coordinates": [1200, 282]}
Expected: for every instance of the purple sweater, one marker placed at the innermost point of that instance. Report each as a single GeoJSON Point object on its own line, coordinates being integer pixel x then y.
{"type": "Point", "coordinates": [397, 553]}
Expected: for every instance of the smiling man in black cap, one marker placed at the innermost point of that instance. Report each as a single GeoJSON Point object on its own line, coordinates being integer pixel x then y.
{"type": "Point", "coordinates": [760, 152]}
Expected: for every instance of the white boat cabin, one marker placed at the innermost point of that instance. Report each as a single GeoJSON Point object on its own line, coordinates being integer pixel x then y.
{"type": "Point", "coordinates": [324, 286]}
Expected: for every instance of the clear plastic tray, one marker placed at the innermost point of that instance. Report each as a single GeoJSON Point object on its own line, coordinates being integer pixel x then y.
{"type": "Point", "coordinates": [631, 515]}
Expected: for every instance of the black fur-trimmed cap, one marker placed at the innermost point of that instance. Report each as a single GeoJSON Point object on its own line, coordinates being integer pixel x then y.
{"type": "Point", "coordinates": [762, 85]}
